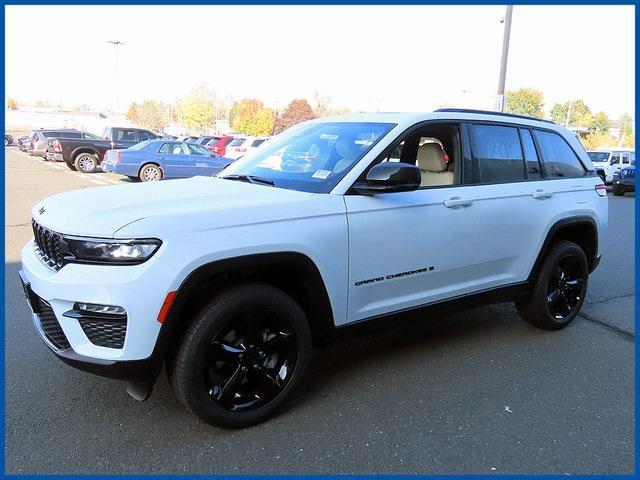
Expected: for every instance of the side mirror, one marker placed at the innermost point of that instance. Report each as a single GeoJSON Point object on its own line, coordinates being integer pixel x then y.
{"type": "Point", "coordinates": [390, 177]}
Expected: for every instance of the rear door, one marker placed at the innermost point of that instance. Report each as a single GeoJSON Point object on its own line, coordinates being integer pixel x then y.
{"type": "Point", "coordinates": [510, 192]}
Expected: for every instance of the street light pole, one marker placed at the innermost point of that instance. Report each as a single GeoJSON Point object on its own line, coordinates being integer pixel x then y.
{"type": "Point", "coordinates": [116, 44]}
{"type": "Point", "coordinates": [505, 55]}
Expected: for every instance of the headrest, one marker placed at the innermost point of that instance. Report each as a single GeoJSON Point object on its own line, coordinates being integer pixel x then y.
{"type": "Point", "coordinates": [431, 158]}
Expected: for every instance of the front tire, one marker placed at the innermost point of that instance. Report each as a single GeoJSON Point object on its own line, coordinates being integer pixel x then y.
{"type": "Point", "coordinates": [618, 190]}
{"type": "Point", "coordinates": [86, 163]}
{"type": "Point", "coordinates": [559, 290]}
{"type": "Point", "coordinates": [243, 356]}
{"type": "Point", "coordinates": [150, 173]}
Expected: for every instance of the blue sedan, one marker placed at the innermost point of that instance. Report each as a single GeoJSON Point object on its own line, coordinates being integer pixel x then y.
{"type": "Point", "coordinates": [154, 160]}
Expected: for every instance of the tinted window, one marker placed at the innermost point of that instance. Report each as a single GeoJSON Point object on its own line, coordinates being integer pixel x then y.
{"type": "Point", "coordinates": [559, 159]}
{"type": "Point", "coordinates": [194, 149]}
{"type": "Point", "coordinates": [146, 135]}
{"type": "Point", "coordinates": [498, 153]}
{"type": "Point", "coordinates": [257, 143]}
{"type": "Point", "coordinates": [126, 136]}
{"type": "Point", "coordinates": [530, 155]}
{"type": "Point", "coordinates": [599, 157]}
{"type": "Point", "coordinates": [615, 159]}
{"type": "Point", "coordinates": [237, 142]}
{"type": "Point", "coordinates": [90, 136]}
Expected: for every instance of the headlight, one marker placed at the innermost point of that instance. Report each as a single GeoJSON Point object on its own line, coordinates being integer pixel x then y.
{"type": "Point", "coordinates": [100, 250]}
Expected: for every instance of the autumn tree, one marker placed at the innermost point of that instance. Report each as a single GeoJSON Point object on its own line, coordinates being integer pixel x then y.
{"type": "Point", "coordinates": [132, 113]}
{"type": "Point", "coordinates": [525, 101]}
{"type": "Point", "coordinates": [297, 111]}
{"type": "Point", "coordinates": [601, 122]}
{"type": "Point", "coordinates": [577, 111]}
{"type": "Point", "coordinates": [251, 117]}
{"type": "Point", "coordinates": [12, 104]}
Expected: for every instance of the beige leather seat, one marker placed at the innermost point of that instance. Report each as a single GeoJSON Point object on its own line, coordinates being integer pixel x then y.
{"type": "Point", "coordinates": [433, 166]}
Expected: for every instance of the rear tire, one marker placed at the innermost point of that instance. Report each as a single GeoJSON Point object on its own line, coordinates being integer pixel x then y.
{"type": "Point", "coordinates": [618, 191]}
{"type": "Point", "coordinates": [559, 289]}
{"type": "Point", "coordinates": [242, 356]}
{"type": "Point", "coordinates": [86, 163]}
{"type": "Point", "coordinates": [150, 173]}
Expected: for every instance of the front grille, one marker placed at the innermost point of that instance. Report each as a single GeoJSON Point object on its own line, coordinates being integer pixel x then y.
{"type": "Point", "coordinates": [104, 332]}
{"type": "Point", "coordinates": [628, 172]}
{"type": "Point", "coordinates": [49, 245]}
{"type": "Point", "coordinates": [49, 324]}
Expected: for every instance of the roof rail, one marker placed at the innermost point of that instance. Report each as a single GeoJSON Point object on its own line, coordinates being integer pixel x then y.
{"type": "Point", "coordinates": [489, 112]}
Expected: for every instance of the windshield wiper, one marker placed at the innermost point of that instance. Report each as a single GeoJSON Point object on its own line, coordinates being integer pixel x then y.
{"type": "Point", "coordinates": [250, 179]}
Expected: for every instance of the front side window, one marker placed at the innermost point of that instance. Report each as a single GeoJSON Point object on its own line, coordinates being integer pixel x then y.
{"type": "Point", "coordinates": [615, 159]}
{"type": "Point", "coordinates": [311, 157]}
{"type": "Point", "coordinates": [560, 160]}
{"type": "Point", "coordinates": [498, 153]}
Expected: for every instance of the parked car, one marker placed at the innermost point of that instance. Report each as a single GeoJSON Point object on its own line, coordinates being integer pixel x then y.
{"type": "Point", "coordinates": [154, 160]}
{"type": "Point", "coordinates": [227, 281]}
{"type": "Point", "coordinates": [85, 155]}
{"type": "Point", "coordinates": [8, 139]}
{"type": "Point", "coordinates": [625, 180]}
{"type": "Point", "coordinates": [204, 140]}
{"type": "Point", "coordinates": [219, 146]}
{"type": "Point", "coordinates": [39, 138]}
{"type": "Point", "coordinates": [240, 146]}
{"type": "Point", "coordinates": [53, 155]}
{"type": "Point", "coordinates": [612, 160]}
{"type": "Point", "coordinates": [187, 138]}
{"type": "Point", "coordinates": [23, 142]}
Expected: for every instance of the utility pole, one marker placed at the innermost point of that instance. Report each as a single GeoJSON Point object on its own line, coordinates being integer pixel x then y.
{"type": "Point", "coordinates": [505, 55]}
{"type": "Point", "coordinates": [116, 44]}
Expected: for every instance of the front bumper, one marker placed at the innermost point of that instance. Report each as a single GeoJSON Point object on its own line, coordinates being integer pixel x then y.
{"type": "Point", "coordinates": [139, 289]}
{"type": "Point", "coordinates": [629, 185]}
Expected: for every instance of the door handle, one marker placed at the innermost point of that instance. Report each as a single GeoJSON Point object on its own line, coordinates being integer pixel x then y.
{"type": "Point", "coordinates": [540, 195]}
{"type": "Point", "coordinates": [457, 202]}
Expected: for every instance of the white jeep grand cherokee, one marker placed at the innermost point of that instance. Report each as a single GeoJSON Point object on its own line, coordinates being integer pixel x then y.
{"type": "Point", "coordinates": [229, 280]}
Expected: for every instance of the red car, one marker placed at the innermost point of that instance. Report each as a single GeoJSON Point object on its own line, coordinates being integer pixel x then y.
{"type": "Point", "coordinates": [219, 146]}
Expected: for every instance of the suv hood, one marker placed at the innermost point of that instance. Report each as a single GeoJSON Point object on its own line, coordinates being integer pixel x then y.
{"type": "Point", "coordinates": [102, 211]}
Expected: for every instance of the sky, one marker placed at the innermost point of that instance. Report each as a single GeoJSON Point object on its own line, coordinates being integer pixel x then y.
{"type": "Point", "coordinates": [373, 58]}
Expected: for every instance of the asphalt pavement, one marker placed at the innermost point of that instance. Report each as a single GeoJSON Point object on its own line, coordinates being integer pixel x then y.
{"type": "Point", "coordinates": [475, 392]}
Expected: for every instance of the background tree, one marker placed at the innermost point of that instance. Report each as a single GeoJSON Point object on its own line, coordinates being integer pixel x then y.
{"type": "Point", "coordinates": [132, 113]}
{"type": "Point", "coordinates": [322, 104]}
{"type": "Point", "coordinates": [297, 111]}
{"type": "Point", "coordinates": [601, 122]}
{"type": "Point", "coordinates": [198, 111]}
{"type": "Point", "coordinates": [251, 117]}
{"type": "Point", "coordinates": [525, 101]}
{"type": "Point", "coordinates": [12, 104]}
{"type": "Point", "coordinates": [150, 114]}
{"type": "Point", "coordinates": [578, 111]}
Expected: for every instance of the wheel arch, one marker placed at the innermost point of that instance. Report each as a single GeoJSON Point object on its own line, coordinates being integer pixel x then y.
{"type": "Point", "coordinates": [582, 230]}
{"type": "Point", "coordinates": [80, 150]}
{"type": "Point", "coordinates": [293, 272]}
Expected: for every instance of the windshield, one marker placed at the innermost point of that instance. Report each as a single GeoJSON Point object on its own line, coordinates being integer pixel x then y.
{"type": "Point", "coordinates": [599, 157]}
{"type": "Point", "coordinates": [312, 157]}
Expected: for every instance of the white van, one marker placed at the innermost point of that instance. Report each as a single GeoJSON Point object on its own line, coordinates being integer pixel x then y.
{"type": "Point", "coordinates": [612, 160]}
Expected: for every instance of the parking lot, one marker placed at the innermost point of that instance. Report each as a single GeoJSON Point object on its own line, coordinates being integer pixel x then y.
{"type": "Point", "coordinates": [475, 392]}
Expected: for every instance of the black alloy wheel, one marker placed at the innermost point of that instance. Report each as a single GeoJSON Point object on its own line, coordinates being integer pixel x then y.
{"type": "Point", "coordinates": [250, 360]}
{"type": "Point", "coordinates": [559, 288]}
{"type": "Point", "coordinates": [242, 356]}
{"type": "Point", "coordinates": [566, 287]}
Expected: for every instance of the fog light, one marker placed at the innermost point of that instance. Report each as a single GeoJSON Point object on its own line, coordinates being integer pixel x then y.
{"type": "Point", "coordinates": [97, 308]}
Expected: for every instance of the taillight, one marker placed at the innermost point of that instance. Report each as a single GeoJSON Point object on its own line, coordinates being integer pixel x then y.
{"type": "Point", "coordinates": [601, 190]}
{"type": "Point", "coordinates": [116, 157]}
{"type": "Point", "coordinates": [56, 146]}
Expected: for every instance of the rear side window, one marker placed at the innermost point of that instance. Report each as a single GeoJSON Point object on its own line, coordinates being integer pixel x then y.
{"type": "Point", "coordinates": [237, 142]}
{"type": "Point", "coordinates": [257, 143]}
{"type": "Point", "coordinates": [498, 153]}
{"type": "Point", "coordinates": [530, 155]}
{"type": "Point", "coordinates": [560, 160]}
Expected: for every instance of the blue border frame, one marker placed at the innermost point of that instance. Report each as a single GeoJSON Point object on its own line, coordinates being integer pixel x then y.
{"type": "Point", "coordinates": [293, 2]}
